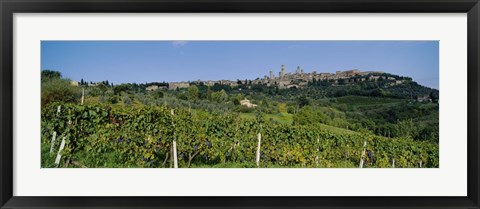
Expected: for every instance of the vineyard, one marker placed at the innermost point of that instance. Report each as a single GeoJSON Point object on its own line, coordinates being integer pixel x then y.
{"type": "Point", "coordinates": [100, 136]}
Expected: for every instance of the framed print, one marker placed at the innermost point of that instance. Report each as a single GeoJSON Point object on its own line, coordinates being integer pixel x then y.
{"type": "Point", "coordinates": [196, 104]}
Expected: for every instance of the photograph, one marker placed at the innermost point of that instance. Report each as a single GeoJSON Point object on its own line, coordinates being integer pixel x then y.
{"type": "Point", "coordinates": [315, 104]}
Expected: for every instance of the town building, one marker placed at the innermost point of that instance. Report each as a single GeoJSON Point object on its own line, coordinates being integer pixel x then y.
{"type": "Point", "coordinates": [247, 103]}
{"type": "Point", "coordinates": [152, 88]}
{"type": "Point", "coordinates": [175, 85]}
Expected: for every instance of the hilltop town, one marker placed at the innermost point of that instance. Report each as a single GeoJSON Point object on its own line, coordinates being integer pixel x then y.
{"type": "Point", "coordinates": [299, 79]}
{"type": "Point", "coordinates": [285, 79]}
{"type": "Point", "coordinates": [340, 83]}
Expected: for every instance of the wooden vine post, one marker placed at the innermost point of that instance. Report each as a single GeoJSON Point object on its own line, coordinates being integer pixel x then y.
{"type": "Point", "coordinates": [59, 154]}
{"type": "Point", "coordinates": [363, 154]}
{"type": "Point", "coordinates": [174, 148]}
{"type": "Point", "coordinates": [83, 95]}
{"type": "Point", "coordinates": [258, 149]}
{"type": "Point", "coordinates": [393, 163]}
{"type": "Point", "coordinates": [175, 160]}
{"type": "Point", "coordinates": [54, 137]}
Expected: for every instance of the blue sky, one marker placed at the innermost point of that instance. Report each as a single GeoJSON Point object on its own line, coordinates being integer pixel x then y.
{"type": "Point", "coordinates": [156, 61]}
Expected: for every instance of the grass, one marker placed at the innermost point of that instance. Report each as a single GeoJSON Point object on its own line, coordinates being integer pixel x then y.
{"type": "Point", "coordinates": [48, 159]}
{"type": "Point", "coordinates": [247, 115]}
{"type": "Point", "coordinates": [366, 101]}
{"type": "Point", "coordinates": [285, 118]}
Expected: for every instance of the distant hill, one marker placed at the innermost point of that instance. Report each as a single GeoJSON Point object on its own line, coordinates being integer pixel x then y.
{"type": "Point", "coordinates": [383, 85]}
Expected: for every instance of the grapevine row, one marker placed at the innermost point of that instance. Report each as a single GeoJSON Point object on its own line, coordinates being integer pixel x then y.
{"type": "Point", "coordinates": [142, 137]}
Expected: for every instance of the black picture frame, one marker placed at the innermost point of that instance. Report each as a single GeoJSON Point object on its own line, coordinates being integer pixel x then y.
{"type": "Point", "coordinates": [9, 7]}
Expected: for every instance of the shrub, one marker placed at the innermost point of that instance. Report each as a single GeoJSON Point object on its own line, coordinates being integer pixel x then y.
{"type": "Point", "coordinates": [113, 99]}
{"type": "Point", "coordinates": [245, 109]}
{"type": "Point", "coordinates": [127, 101]}
{"type": "Point", "coordinates": [282, 107]}
{"type": "Point", "coordinates": [220, 96]}
{"type": "Point", "coordinates": [157, 94]}
{"type": "Point", "coordinates": [50, 74]}
{"type": "Point", "coordinates": [310, 115]}
{"type": "Point", "coordinates": [59, 90]}
{"type": "Point", "coordinates": [182, 96]}
{"type": "Point", "coordinates": [193, 93]}
{"type": "Point", "coordinates": [291, 109]}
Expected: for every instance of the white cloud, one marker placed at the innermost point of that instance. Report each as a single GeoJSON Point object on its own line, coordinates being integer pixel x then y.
{"type": "Point", "coordinates": [179, 43]}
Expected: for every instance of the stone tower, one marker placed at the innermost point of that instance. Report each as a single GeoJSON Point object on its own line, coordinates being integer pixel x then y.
{"type": "Point", "coordinates": [272, 76]}
{"type": "Point", "coordinates": [298, 70]}
{"type": "Point", "coordinates": [282, 72]}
